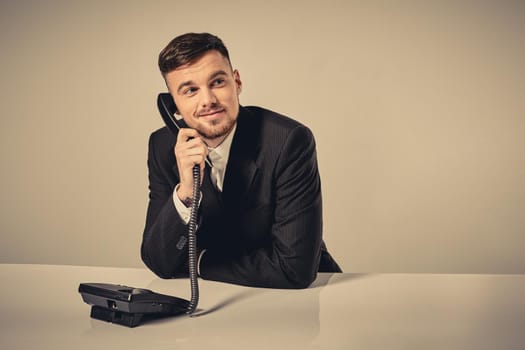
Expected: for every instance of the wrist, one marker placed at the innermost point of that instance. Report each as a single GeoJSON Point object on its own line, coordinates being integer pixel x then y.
{"type": "Point", "coordinates": [185, 197]}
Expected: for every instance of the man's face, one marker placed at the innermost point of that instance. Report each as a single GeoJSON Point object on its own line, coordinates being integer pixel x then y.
{"type": "Point", "coordinates": [206, 93]}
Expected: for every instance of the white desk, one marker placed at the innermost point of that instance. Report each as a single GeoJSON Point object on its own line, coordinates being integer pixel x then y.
{"type": "Point", "coordinates": [40, 308]}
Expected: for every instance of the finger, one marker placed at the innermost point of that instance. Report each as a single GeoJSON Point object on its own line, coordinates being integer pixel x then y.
{"type": "Point", "coordinates": [191, 148]}
{"type": "Point", "coordinates": [185, 134]}
{"type": "Point", "coordinates": [191, 142]}
{"type": "Point", "coordinates": [187, 157]}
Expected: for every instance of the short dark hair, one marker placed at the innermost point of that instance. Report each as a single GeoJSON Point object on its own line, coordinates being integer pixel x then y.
{"type": "Point", "coordinates": [188, 47]}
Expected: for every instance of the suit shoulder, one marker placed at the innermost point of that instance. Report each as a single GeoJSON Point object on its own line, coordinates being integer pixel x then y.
{"type": "Point", "coordinates": [273, 118]}
{"type": "Point", "coordinates": [162, 136]}
{"type": "Point", "coordinates": [273, 132]}
{"type": "Point", "coordinates": [270, 116]}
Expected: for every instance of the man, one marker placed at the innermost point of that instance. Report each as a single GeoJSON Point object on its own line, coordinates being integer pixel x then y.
{"type": "Point", "coordinates": [260, 215]}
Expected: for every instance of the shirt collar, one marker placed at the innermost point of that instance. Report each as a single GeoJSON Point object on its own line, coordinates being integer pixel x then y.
{"type": "Point", "coordinates": [219, 155]}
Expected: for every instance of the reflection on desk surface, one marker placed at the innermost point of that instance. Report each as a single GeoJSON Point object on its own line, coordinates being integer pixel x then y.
{"type": "Point", "coordinates": [40, 307]}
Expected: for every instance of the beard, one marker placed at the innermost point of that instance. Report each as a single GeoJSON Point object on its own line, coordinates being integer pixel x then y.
{"type": "Point", "coordinates": [216, 129]}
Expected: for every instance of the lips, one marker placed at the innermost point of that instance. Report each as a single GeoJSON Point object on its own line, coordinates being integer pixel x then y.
{"type": "Point", "coordinates": [211, 114]}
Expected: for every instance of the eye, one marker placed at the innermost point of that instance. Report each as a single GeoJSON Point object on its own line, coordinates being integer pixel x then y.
{"type": "Point", "coordinates": [189, 91]}
{"type": "Point", "coordinates": [218, 82]}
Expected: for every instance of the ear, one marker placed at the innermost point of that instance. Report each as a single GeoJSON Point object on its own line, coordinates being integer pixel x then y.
{"type": "Point", "coordinates": [238, 82]}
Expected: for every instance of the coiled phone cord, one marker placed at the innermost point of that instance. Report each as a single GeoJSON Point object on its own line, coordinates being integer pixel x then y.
{"type": "Point", "coordinates": [192, 241]}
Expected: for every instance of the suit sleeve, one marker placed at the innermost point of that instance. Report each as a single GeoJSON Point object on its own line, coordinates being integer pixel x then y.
{"type": "Point", "coordinates": [164, 249]}
{"type": "Point", "coordinates": [292, 258]}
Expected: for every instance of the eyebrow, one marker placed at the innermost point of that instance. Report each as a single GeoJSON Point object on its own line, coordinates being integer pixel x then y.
{"type": "Point", "coordinates": [191, 82]}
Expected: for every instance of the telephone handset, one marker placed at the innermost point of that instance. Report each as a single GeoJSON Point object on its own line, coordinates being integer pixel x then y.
{"type": "Point", "coordinates": [130, 306]}
{"type": "Point", "coordinates": [168, 109]}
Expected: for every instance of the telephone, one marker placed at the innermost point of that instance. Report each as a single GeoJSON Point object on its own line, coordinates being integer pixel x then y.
{"type": "Point", "coordinates": [130, 306]}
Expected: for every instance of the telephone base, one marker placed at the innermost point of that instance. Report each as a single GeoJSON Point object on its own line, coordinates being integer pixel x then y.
{"type": "Point", "coordinates": [123, 318]}
{"type": "Point", "coordinates": [129, 306]}
{"type": "Point", "coordinates": [118, 317]}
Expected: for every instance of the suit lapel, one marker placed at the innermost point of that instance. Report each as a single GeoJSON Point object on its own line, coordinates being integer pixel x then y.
{"type": "Point", "coordinates": [242, 167]}
{"type": "Point", "coordinates": [176, 172]}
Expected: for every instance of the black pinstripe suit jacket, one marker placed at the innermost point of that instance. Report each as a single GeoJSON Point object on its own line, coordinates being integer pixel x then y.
{"type": "Point", "coordinates": [265, 228]}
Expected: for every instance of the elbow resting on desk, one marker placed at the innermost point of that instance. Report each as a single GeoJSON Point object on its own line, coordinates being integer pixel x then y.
{"type": "Point", "coordinates": [259, 270]}
{"type": "Point", "coordinates": [162, 269]}
{"type": "Point", "coordinates": [300, 277]}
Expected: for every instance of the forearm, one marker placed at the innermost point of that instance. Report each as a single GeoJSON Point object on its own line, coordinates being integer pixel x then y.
{"type": "Point", "coordinates": [164, 249]}
{"type": "Point", "coordinates": [273, 267]}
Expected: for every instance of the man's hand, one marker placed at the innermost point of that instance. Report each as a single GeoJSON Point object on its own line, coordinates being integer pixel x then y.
{"type": "Point", "coordinates": [190, 150]}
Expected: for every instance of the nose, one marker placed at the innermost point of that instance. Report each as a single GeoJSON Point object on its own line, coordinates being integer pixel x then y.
{"type": "Point", "coordinates": [208, 98]}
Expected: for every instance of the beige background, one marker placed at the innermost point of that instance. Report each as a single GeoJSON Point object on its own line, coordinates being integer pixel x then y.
{"type": "Point", "coordinates": [417, 108]}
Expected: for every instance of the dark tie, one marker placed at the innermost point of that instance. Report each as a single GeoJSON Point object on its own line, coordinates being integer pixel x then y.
{"type": "Point", "coordinates": [211, 197]}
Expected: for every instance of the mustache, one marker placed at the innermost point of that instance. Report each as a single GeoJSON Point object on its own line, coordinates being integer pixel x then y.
{"type": "Point", "coordinates": [213, 109]}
